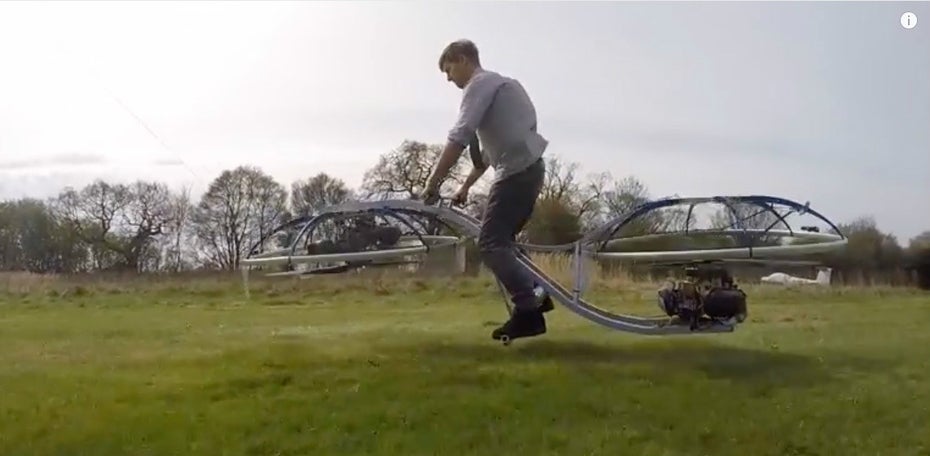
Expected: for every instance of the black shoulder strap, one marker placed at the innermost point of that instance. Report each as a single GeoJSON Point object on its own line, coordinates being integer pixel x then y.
{"type": "Point", "coordinates": [474, 150]}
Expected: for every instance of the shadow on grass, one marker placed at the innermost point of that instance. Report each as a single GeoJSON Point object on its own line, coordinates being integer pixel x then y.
{"type": "Point", "coordinates": [666, 364]}
{"type": "Point", "coordinates": [739, 365]}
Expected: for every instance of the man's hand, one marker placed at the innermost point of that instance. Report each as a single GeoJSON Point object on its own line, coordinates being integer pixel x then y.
{"type": "Point", "coordinates": [430, 194]}
{"type": "Point", "coordinates": [461, 196]}
{"type": "Point", "coordinates": [450, 154]}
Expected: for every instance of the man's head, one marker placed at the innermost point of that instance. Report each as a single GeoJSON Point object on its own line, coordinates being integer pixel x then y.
{"type": "Point", "coordinates": [458, 61]}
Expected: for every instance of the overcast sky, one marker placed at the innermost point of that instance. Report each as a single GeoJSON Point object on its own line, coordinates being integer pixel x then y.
{"type": "Point", "coordinates": [693, 98]}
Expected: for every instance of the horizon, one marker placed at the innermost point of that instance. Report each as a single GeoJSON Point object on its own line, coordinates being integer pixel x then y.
{"type": "Point", "coordinates": [698, 98]}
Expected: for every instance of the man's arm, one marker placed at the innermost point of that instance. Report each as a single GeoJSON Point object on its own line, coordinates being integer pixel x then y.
{"type": "Point", "coordinates": [476, 98]}
{"type": "Point", "coordinates": [450, 154]}
{"type": "Point", "coordinates": [473, 177]}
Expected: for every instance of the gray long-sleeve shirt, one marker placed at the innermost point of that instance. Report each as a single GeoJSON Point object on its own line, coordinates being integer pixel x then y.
{"type": "Point", "coordinates": [500, 111]}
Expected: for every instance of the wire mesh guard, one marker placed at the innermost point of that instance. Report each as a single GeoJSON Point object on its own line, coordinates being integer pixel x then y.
{"type": "Point", "coordinates": [702, 234]}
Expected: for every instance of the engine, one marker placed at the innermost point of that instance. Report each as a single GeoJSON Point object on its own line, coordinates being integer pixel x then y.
{"type": "Point", "coordinates": [708, 292]}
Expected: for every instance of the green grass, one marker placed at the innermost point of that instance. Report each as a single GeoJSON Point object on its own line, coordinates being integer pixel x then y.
{"type": "Point", "coordinates": [407, 367]}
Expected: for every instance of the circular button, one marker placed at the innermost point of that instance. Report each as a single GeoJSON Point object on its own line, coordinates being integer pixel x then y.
{"type": "Point", "coordinates": [908, 20]}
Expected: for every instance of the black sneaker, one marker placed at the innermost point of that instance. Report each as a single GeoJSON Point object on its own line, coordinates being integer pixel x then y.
{"type": "Point", "coordinates": [523, 323]}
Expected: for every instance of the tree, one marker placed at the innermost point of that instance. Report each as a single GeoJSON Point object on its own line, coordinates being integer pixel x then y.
{"type": "Point", "coordinates": [92, 214]}
{"type": "Point", "coordinates": [553, 222]}
{"type": "Point", "coordinates": [313, 194]}
{"type": "Point", "coordinates": [177, 250]}
{"type": "Point", "coordinates": [918, 254]}
{"type": "Point", "coordinates": [617, 198]}
{"type": "Point", "coordinates": [563, 206]}
{"type": "Point", "coordinates": [403, 172]}
{"type": "Point", "coordinates": [32, 239]}
{"type": "Point", "coordinates": [145, 216]}
{"type": "Point", "coordinates": [118, 222]}
{"type": "Point", "coordinates": [561, 184]}
{"type": "Point", "coordinates": [919, 242]}
{"type": "Point", "coordinates": [869, 254]}
{"type": "Point", "coordinates": [240, 207]}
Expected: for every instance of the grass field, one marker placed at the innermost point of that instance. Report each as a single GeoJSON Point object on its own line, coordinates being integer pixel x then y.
{"type": "Point", "coordinates": [406, 366]}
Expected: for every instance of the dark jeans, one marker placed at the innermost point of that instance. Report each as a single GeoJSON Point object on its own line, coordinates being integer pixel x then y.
{"type": "Point", "coordinates": [510, 204]}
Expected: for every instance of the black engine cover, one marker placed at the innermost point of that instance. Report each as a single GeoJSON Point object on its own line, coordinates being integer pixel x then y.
{"type": "Point", "coordinates": [725, 303]}
{"type": "Point", "coordinates": [692, 302]}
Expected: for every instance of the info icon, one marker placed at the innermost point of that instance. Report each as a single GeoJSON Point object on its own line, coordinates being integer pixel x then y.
{"type": "Point", "coordinates": [908, 20]}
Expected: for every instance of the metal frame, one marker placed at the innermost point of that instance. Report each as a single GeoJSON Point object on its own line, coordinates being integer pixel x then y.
{"type": "Point", "coordinates": [470, 228]}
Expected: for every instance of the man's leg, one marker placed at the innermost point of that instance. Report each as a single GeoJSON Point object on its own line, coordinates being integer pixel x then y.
{"type": "Point", "coordinates": [509, 207]}
{"type": "Point", "coordinates": [544, 301]}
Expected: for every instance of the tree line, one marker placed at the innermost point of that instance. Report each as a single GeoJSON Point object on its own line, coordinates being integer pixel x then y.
{"type": "Point", "coordinates": [146, 226]}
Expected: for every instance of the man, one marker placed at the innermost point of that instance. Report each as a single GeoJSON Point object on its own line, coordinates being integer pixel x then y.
{"type": "Point", "coordinates": [500, 112]}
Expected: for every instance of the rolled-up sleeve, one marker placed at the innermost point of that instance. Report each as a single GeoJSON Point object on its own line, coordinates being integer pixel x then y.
{"type": "Point", "coordinates": [476, 98]}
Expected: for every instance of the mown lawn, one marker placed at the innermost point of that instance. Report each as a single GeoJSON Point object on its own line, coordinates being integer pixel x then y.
{"type": "Point", "coordinates": [407, 367]}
